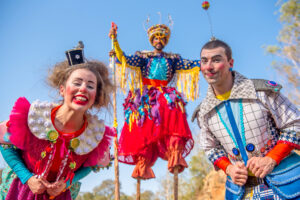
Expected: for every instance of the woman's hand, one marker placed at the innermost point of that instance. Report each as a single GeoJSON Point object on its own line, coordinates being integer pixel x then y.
{"type": "Point", "coordinates": [261, 166]}
{"type": "Point", "coordinates": [56, 188]}
{"type": "Point", "coordinates": [37, 185]}
{"type": "Point", "coordinates": [238, 173]}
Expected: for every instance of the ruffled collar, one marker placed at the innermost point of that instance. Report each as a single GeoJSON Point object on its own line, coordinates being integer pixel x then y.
{"type": "Point", "coordinates": [243, 88]}
{"type": "Point", "coordinates": [40, 124]}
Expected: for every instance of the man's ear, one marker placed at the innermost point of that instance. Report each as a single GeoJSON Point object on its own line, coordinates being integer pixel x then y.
{"type": "Point", "coordinates": [231, 61]}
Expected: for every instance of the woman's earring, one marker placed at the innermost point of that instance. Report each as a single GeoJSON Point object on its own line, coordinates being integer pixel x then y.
{"type": "Point", "coordinates": [230, 69]}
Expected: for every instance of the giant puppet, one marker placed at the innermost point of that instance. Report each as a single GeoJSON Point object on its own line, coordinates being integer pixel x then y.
{"type": "Point", "coordinates": [155, 117]}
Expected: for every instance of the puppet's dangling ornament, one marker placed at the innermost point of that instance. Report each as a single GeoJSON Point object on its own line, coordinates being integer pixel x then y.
{"type": "Point", "coordinates": [205, 6]}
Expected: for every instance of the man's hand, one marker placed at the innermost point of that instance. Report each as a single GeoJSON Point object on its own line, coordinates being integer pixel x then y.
{"type": "Point", "coordinates": [56, 188]}
{"type": "Point", "coordinates": [238, 173]}
{"type": "Point", "coordinates": [36, 185]}
{"type": "Point", "coordinates": [261, 166]}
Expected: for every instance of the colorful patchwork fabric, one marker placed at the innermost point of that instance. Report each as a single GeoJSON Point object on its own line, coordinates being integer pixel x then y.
{"type": "Point", "coordinates": [138, 105]}
{"type": "Point", "coordinates": [290, 137]}
{"type": "Point", "coordinates": [260, 192]}
{"type": "Point", "coordinates": [7, 177]}
{"type": "Point", "coordinates": [74, 190]}
{"type": "Point", "coordinates": [215, 154]}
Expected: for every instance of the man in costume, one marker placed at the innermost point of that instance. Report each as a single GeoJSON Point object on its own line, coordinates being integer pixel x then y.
{"type": "Point", "coordinates": [248, 128]}
{"type": "Point", "coordinates": [155, 119]}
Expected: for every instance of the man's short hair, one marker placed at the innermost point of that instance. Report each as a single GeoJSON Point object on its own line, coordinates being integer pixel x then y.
{"type": "Point", "coordinates": [218, 43]}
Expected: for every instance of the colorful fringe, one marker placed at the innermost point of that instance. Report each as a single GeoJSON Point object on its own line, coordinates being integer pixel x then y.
{"type": "Point", "coordinates": [188, 83]}
{"type": "Point", "coordinates": [137, 105]}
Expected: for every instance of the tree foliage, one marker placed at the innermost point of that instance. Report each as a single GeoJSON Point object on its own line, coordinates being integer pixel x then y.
{"type": "Point", "coordinates": [198, 169]}
{"type": "Point", "coordinates": [287, 52]}
{"type": "Point", "coordinates": [148, 195]}
{"type": "Point", "coordinates": [105, 191]}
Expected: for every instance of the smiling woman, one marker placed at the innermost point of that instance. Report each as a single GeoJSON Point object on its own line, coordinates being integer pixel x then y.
{"type": "Point", "coordinates": [50, 146]}
{"type": "Point", "coordinates": [61, 72]}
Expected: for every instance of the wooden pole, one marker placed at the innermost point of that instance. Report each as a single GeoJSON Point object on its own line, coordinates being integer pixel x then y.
{"type": "Point", "coordinates": [176, 183]}
{"type": "Point", "coordinates": [138, 189]}
{"type": "Point", "coordinates": [115, 125]}
{"type": "Point", "coordinates": [116, 163]}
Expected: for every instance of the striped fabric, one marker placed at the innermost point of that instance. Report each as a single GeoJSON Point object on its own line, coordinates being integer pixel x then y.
{"type": "Point", "coordinates": [262, 192]}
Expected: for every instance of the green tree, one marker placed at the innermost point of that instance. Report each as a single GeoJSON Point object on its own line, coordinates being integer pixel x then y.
{"type": "Point", "coordinates": [199, 167]}
{"type": "Point", "coordinates": [86, 196]}
{"type": "Point", "coordinates": [287, 52]}
{"type": "Point", "coordinates": [126, 197]}
{"type": "Point", "coordinates": [106, 190]}
{"type": "Point", "coordinates": [147, 195]}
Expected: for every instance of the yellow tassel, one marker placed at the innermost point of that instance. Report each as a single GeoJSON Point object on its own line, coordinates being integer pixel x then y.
{"type": "Point", "coordinates": [141, 83]}
{"type": "Point", "coordinates": [179, 82]}
{"type": "Point", "coordinates": [185, 86]}
{"type": "Point", "coordinates": [128, 76]}
{"type": "Point", "coordinates": [188, 82]}
{"type": "Point", "coordinates": [130, 122]}
{"type": "Point", "coordinates": [115, 125]}
{"type": "Point", "coordinates": [123, 72]}
{"type": "Point", "coordinates": [192, 86]}
{"type": "Point", "coordinates": [160, 89]}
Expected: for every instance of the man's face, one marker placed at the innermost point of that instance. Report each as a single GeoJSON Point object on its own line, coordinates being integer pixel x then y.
{"type": "Point", "coordinates": [159, 43]}
{"type": "Point", "coordinates": [215, 66]}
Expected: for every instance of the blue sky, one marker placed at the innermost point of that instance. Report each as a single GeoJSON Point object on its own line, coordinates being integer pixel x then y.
{"type": "Point", "coordinates": [34, 35]}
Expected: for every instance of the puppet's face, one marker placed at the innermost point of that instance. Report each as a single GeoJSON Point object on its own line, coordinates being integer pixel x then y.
{"type": "Point", "coordinates": [159, 43]}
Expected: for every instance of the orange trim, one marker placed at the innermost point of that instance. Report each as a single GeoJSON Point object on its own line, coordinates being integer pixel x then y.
{"type": "Point", "coordinates": [222, 163]}
{"type": "Point", "coordinates": [280, 151]}
{"type": "Point", "coordinates": [154, 82]}
{"type": "Point", "coordinates": [68, 135]}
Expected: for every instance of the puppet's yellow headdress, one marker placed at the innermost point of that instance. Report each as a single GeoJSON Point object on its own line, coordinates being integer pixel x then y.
{"type": "Point", "coordinates": [160, 31]}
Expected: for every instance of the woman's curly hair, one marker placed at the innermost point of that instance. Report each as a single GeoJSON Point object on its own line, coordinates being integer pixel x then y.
{"type": "Point", "coordinates": [60, 73]}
